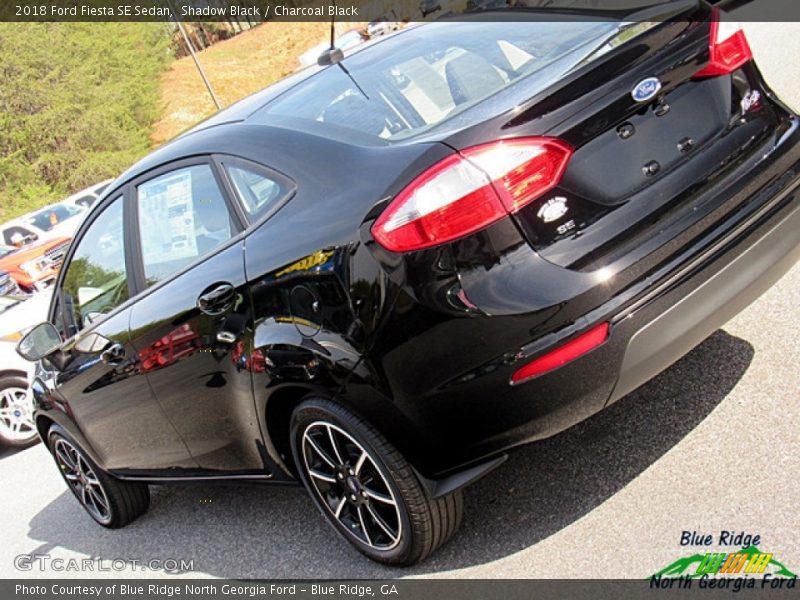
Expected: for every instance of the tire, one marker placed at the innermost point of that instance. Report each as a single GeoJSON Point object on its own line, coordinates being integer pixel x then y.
{"type": "Point", "coordinates": [366, 489]}
{"type": "Point", "coordinates": [17, 428]}
{"type": "Point", "coordinates": [110, 502]}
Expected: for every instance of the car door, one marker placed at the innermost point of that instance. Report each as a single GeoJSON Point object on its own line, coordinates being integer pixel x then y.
{"type": "Point", "coordinates": [99, 376]}
{"type": "Point", "coordinates": [192, 321]}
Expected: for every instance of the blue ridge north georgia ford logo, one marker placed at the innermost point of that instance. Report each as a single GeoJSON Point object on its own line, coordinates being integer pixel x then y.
{"type": "Point", "coordinates": [646, 89]}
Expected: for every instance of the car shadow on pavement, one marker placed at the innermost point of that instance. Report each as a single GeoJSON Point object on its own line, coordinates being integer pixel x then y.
{"type": "Point", "coordinates": [8, 451]}
{"type": "Point", "coordinates": [275, 532]}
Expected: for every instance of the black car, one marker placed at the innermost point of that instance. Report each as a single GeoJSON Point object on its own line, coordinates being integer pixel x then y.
{"type": "Point", "coordinates": [379, 290]}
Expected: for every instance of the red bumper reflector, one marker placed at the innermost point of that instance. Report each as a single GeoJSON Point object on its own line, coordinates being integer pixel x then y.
{"type": "Point", "coordinates": [554, 359]}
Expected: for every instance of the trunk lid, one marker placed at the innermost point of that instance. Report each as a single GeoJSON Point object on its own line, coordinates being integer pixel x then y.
{"type": "Point", "coordinates": [649, 138]}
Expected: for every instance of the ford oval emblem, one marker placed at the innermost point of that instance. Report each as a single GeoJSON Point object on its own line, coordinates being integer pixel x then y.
{"type": "Point", "coordinates": [646, 89]}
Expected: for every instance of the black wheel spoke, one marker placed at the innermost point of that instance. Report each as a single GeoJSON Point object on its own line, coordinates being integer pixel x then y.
{"type": "Point", "coordinates": [340, 506]}
{"type": "Point", "coordinates": [320, 452]}
{"type": "Point", "coordinates": [98, 498]}
{"type": "Point", "coordinates": [316, 474]}
{"type": "Point", "coordinates": [360, 463]}
{"type": "Point", "coordinates": [379, 497]}
{"type": "Point", "coordinates": [381, 523]}
{"type": "Point", "coordinates": [66, 460]}
{"type": "Point", "coordinates": [360, 510]}
{"type": "Point", "coordinates": [335, 446]}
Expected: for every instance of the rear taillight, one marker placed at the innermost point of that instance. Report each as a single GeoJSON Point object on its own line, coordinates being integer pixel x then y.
{"type": "Point", "coordinates": [728, 48]}
{"type": "Point", "coordinates": [573, 349]}
{"type": "Point", "coordinates": [471, 190]}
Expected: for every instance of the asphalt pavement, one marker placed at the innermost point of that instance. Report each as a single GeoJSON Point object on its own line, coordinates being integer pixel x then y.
{"type": "Point", "coordinates": [712, 444]}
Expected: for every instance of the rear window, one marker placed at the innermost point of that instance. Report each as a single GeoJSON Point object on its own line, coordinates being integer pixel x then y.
{"type": "Point", "coordinates": [53, 215]}
{"type": "Point", "coordinates": [411, 82]}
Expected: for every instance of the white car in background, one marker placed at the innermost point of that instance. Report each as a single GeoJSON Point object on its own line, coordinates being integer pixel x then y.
{"type": "Point", "coordinates": [54, 221]}
{"type": "Point", "coordinates": [382, 26]}
{"type": "Point", "coordinates": [17, 315]}
{"type": "Point", "coordinates": [60, 219]}
{"type": "Point", "coordinates": [86, 198]}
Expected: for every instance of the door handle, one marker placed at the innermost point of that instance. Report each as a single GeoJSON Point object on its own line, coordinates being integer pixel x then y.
{"type": "Point", "coordinates": [113, 355]}
{"type": "Point", "coordinates": [217, 300]}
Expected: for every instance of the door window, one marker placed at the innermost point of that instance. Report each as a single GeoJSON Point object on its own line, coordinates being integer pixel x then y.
{"type": "Point", "coordinates": [96, 280]}
{"type": "Point", "coordinates": [17, 236]}
{"type": "Point", "coordinates": [182, 216]}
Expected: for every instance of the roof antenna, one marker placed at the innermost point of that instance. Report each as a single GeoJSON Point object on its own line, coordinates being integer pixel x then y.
{"type": "Point", "coordinates": [334, 56]}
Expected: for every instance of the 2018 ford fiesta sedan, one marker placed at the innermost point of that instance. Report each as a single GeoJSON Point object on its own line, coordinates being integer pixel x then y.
{"type": "Point", "coordinates": [378, 276]}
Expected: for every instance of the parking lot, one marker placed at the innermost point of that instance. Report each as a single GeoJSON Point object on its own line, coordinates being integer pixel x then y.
{"type": "Point", "coordinates": [712, 444]}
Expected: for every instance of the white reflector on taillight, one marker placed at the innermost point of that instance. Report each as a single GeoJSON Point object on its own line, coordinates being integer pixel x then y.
{"type": "Point", "coordinates": [471, 190]}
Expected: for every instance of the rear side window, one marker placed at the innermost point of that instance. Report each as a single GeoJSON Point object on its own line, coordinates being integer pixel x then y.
{"type": "Point", "coordinates": [258, 191]}
{"type": "Point", "coordinates": [182, 216]}
{"type": "Point", "coordinates": [406, 84]}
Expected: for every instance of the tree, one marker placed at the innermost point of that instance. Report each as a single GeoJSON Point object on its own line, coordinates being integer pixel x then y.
{"type": "Point", "coordinates": [77, 105]}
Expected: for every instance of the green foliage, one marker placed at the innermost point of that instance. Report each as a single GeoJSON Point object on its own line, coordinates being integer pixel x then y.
{"type": "Point", "coordinates": [77, 104]}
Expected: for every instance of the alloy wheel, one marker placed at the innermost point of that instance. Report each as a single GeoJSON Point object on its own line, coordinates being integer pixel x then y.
{"type": "Point", "coordinates": [82, 479]}
{"type": "Point", "coordinates": [16, 414]}
{"type": "Point", "coordinates": [351, 485]}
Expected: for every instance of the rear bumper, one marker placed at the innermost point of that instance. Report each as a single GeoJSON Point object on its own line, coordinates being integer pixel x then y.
{"type": "Point", "coordinates": [654, 323]}
{"type": "Point", "coordinates": [679, 320]}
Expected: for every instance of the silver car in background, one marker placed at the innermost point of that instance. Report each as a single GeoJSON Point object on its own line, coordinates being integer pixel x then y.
{"type": "Point", "coordinates": [17, 315]}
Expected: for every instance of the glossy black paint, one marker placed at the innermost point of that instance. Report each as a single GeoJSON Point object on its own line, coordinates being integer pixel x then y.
{"type": "Point", "coordinates": [423, 345]}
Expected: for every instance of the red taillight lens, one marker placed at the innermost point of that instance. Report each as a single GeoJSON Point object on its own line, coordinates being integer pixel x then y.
{"type": "Point", "coordinates": [469, 191]}
{"type": "Point", "coordinates": [573, 349]}
{"type": "Point", "coordinates": [728, 48]}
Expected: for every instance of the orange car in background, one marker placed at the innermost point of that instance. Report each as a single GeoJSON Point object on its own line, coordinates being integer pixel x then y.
{"type": "Point", "coordinates": [35, 266]}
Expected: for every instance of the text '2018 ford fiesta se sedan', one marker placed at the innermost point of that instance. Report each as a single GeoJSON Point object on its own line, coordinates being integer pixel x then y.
{"type": "Point", "coordinates": [376, 280]}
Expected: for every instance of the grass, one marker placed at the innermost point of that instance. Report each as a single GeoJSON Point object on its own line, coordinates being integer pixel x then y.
{"type": "Point", "coordinates": [77, 105]}
{"type": "Point", "coordinates": [236, 68]}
